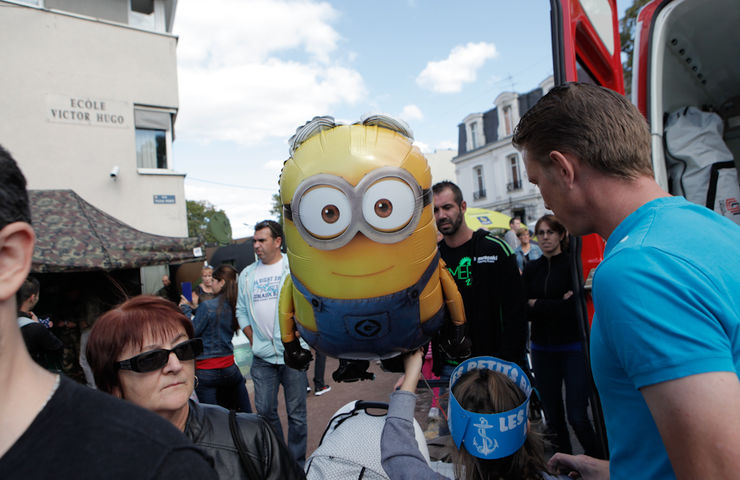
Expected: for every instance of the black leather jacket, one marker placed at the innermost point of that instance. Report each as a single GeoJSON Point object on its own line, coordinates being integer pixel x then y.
{"type": "Point", "coordinates": [208, 427]}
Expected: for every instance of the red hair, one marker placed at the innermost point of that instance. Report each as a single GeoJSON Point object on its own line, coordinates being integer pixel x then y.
{"type": "Point", "coordinates": [125, 326]}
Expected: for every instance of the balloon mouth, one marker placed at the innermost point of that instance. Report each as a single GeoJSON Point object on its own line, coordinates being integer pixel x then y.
{"type": "Point", "coordinates": [362, 275]}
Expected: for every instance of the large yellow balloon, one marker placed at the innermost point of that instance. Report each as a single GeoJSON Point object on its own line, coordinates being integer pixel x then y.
{"type": "Point", "coordinates": [366, 278]}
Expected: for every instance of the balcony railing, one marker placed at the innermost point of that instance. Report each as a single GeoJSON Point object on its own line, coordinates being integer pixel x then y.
{"type": "Point", "coordinates": [479, 195]}
{"type": "Point", "coordinates": [511, 186]}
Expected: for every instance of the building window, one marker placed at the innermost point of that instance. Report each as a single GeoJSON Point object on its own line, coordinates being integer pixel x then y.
{"type": "Point", "coordinates": [153, 138]}
{"type": "Point", "coordinates": [147, 15]}
{"type": "Point", "coordinates": [508, 125]}
{"type": "Point", "coordinates": [479, 191]}
{"type": "Point", "coordinates": [514, 174]}
{"type": "Point", "coordinates": [474, 134]}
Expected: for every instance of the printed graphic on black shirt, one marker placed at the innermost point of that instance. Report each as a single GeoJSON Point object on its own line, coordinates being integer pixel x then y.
{"type": "Point", "coordinates": [462, 272]}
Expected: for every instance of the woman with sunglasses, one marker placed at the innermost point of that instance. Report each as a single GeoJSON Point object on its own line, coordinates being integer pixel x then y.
{"type": "Point", "coordinates": [558, 356]}
{"type": "Point", "coordinates": [219, 380]}
{"type": "Point", "coordinates": [143, 351]}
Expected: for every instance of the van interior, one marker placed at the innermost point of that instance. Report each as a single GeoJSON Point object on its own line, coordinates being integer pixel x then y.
{"type": "Point", "coordinates": [694, 61]}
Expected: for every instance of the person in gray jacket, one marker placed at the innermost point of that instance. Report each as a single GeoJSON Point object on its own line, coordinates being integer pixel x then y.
{"type": "Point", "coordinates": [144, 351]}
{"type": "Point", "coordinates": [489, 399]}
{"type": "Point", "coordinates": [257, 313]}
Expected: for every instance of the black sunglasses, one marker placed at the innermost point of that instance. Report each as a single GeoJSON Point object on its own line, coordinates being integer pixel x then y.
{"type": "Point", "coordinates": [156, 359]}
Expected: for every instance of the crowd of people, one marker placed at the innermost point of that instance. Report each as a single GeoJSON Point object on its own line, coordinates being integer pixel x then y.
{"type": "Point", "coordinates": [664, 347]}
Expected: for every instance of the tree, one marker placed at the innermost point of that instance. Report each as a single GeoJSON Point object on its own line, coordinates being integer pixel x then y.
{"type": "Point", "coordinates": [627, 26]}
{"type": "Point", "coordinates": [277, 208]}
{"type": "Point", "coordinates": [200, 213]}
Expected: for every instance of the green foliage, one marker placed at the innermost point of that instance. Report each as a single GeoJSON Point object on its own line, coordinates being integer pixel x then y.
{"type": "Point", "coordinates": [627, 26]}
{"type": "Point", "coordinates": [277, 208]}
{"type": "Point", "coordinates": [200, 213]}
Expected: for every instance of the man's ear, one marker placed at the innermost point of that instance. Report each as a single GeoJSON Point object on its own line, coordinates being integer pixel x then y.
{"type": "Point", "coordinates": [16, 250]}
{"type": "Point", "coordinates": [463, 206]}
{"type": "Point", "coordinates": [563, 166]}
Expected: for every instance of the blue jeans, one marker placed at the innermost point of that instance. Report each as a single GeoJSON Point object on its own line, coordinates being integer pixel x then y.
{"type": "Point", "coordinates": [267, 378]}
{"type": "Point", "coordinates": [551, 370]}
{"type": "Point", "coordinates": [223, 386]}
{"type": "Point", "coordinates": [318, 370]}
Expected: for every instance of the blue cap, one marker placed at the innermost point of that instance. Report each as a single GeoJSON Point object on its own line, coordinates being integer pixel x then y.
{"type": "Point", "coordinates": [489, 435]}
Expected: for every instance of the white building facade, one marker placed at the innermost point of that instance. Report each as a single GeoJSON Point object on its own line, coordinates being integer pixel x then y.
{"type": "Point", "coordinates": [440, 163]}
{"type": "Point", "coordinates": [489, 170]}
{"type": "Point", "coordinates": [89, 96]}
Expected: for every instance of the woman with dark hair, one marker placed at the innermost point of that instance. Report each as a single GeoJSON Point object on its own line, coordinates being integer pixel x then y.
{"type": "Point", "coordinates": [492, 438]}
{"type": "Point", "coordinates": [220, 381]}
{"type": "Point", "coordinates": [557, 349]}
{"type": "Point", "coordinates": [130, 351]}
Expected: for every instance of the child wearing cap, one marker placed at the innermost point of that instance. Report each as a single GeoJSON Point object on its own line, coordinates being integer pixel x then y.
{"type": "Point", "coordinates": [488, 422]}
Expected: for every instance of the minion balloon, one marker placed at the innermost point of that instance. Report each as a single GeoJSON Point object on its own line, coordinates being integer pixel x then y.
{"type": "Point", "coordinates": [366, 278]}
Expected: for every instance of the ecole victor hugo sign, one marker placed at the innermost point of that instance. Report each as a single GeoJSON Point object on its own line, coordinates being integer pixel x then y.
{"type": "Point", "coordinates": [82, 110]}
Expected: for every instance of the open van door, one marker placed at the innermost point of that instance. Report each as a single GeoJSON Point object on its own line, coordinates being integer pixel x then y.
{"type": "Point", "coordinates": [586, 48]}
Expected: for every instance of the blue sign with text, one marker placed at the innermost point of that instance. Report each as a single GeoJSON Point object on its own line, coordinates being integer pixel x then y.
{"type": "Point", "coordinates": [164, 199]}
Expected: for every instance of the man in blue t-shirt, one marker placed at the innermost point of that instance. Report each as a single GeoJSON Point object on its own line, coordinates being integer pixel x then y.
{"type": "Point", "coordinates": [665, 341]}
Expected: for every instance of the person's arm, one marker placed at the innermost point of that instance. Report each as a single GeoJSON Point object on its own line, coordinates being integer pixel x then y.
{"type": "Point", "coordinates": [553, 308]}
{"type": "Point", "coordinates": [45, 339]}
{"type": "Point", "coordinates": [513, 309]}
{"type": "Point", "coordinates": [248, 332]}
{"type": "Point", "coordinates": [200, 320]}
{"type": "Point", "coordinates": [579, 466]}
{"type": "Point", "coordinates": [698, 418]}
{"type": "Point", "coordinates": [242, 309]}
{"type": "Point", "coordinates": [400, 455]}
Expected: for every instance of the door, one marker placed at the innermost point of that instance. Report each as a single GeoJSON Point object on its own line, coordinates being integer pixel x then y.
{"type": "Point", "coordinates": [586, 48]}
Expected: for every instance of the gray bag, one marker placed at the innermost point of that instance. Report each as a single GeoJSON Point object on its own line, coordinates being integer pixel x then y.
{"type": "Point", "coordinates": [350, 446]}
{"type": "Point", "coordinates": [700, 166]}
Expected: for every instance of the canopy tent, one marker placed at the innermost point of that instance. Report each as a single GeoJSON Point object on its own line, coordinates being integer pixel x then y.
{"type": "Point", "coordinates": [477, 218]}
{"type": "Point", "coordinates": [74, 236]}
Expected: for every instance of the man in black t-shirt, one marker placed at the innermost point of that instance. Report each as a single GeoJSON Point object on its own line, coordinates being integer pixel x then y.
{"type": "Point", "coordinates": [486, 273]}
{"type": "Point", "coordinates": [51, 427]}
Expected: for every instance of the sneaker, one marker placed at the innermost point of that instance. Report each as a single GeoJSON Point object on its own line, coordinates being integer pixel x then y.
{"type": "Point", "coordinates": [308, 389]}
{"type": "Point", "coordinates": [322, 390]}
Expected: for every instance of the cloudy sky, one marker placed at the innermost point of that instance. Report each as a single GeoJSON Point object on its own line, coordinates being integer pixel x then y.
{"type": "Point", "coordinates": [251, 72]}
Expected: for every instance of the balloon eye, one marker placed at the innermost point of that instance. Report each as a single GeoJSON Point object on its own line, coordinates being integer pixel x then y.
{"type": "Point", "coordinates": [330, 214]}
{"type": "Point", "coordinates": [383, 208]}
{"type": "Point", "coordinates": [325, 212]}
{"type": "Point", "coordinates": [388, 205]}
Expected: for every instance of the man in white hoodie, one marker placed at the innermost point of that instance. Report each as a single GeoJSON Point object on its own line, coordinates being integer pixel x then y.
{"type": "Point", "coordinates": [256, 310]}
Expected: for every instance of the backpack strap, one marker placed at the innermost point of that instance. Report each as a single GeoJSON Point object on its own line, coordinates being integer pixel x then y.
{"type": "Point", "coordinates": [713, 178]}
{"type": "Point", "coordinates": [239, 443]}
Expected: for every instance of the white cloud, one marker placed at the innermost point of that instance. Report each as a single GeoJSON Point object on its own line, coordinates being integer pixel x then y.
{"type": "Point", "coordinates": [411, 112]}
{"type": "Point", "coordinates": [240, 80]}
{"type": "Point", "coordinates": [425, 148]}
{"type": "Point", "coordinates": [460, 67]}
{"type": "Point", "coordinates": [233, 32]}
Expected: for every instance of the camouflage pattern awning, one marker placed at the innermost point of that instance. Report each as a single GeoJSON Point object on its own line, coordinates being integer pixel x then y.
{"type": "Point", "coordinates": [72, 235]}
